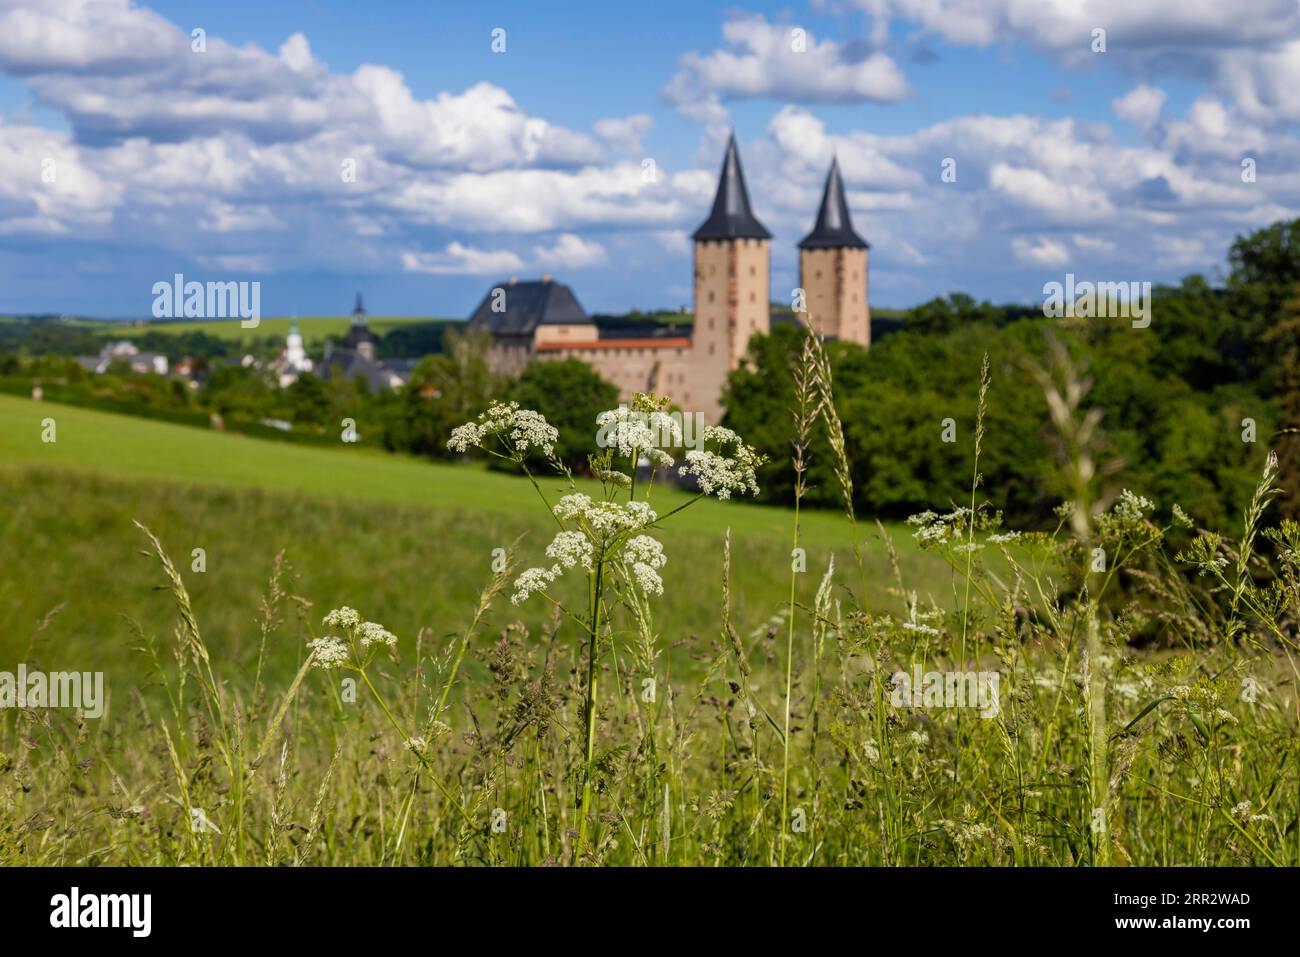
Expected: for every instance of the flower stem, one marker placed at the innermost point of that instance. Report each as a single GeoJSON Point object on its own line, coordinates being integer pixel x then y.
{"type": "Point", "coordinates": [423, 760]}
{"type": "Point", "coordinates": [591, 705]}
{"type": "Point", "coordinates": [789, 676]}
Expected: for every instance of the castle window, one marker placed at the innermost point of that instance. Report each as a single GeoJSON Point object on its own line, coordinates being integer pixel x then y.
{"type": "Point", "coordinates": [753, 271]}
{"type": "Point", "coordinates": [710, 297]}
{"type": "Point", "coordinates": [752, 297]}
{"type": "Point", "coordinates": [710, 348]}
{"type": "Point", "coordinates": [817, 274]}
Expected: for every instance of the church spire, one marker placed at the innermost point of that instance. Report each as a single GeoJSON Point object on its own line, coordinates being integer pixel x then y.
{"type": "Point", "coordinates": [834, 229]}
{"type": "Point", "coordinates": [732, 217]}
{"type": "Point", "coordinates": [359, 310]}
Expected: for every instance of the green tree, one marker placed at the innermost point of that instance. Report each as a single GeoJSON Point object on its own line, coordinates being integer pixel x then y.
{"type": "Point", "coordinates": [308, 400]}
{"type": "Point", "coordinates": [240, 390]}
{"type": "Point", "coordinates": [570, 394]}
{"type": "Point", "coordinates": [459, 376]}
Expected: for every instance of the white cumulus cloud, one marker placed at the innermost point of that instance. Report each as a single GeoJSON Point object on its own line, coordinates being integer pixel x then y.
{"type": "Point", "coordinates": [765, 60]}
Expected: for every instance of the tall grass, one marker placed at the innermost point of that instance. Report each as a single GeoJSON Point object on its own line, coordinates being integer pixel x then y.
{"type": "Point", "coordinates": [541, 743]}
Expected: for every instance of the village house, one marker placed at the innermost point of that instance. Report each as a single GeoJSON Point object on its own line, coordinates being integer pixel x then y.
{"type": "Point", "coordinates": [143, 362]}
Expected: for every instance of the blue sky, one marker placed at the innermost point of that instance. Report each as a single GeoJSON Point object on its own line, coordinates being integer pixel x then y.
{"type": "Point", "coordinates": [474, 165]}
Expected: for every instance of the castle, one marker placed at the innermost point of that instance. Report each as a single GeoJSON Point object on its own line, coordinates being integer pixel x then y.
{"type": "Point", "coordinates": [540, 320]}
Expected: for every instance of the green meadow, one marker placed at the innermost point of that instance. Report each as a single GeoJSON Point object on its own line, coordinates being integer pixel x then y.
{"type": "Point", "coordinates": [753, 716]}
{"type": "Point", "coordinates": [411, 540]}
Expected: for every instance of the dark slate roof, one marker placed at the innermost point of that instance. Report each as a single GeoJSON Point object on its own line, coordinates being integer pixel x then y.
{"type": "Point", "coordinates": [834, 229]}
{"type": "Point", "coordinates": [731, 217]}
{"type": "Point", "coordinates": [528, 305]}
{"type": "Point", "coordinates": [350, 364]}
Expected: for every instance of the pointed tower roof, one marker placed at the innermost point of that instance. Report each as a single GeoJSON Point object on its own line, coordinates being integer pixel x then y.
{"type": "Point", "coordinates": [834, 229]}
{"type": "Point", "coordinates": [359, 331]}
{"type": "Point", "coordinates": [731, 217]}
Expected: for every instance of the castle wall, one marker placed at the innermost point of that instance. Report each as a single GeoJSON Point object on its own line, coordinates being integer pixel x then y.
{"type": "Point", "coordinates": [508, 356]}
{"type": "Point", "coordinates": [575, 332]}
{"type": "Point", "coordinates": [659, 366]}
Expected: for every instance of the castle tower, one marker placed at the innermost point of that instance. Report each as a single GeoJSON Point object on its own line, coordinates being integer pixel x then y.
{"type": "Point", "coordinates": [359, 336]}
{"type": "Point", "coordinates": [833, 269]}
{"type": "Point", "coordinates": [295, 355]}
{"type": "Point", "coordinates": [732, 289]}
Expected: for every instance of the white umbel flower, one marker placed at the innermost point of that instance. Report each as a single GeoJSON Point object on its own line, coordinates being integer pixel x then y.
{"type": "Point", "coordinates": [533, 580]}
{"type": "Point", "coordinates": [570, 549]}
{"type": "Point", "coordinates": [371, 633]}
{"type": "Point", "coordinates": [573, 506]}
{"type": "Point", "coordinates": [638, 515]}
{"type": "Point", "coordinates": [1132, 506]}
{"type": "Point", "coordinates": [633, 430]}
{"type": "Point", "coordinates": [719, 474]}
{"type": "Point", "coordinates": [604, 519]}
{"type": "Point", "coordinates": [344, 617]}
{"type": "Point", "coordinates": [642, 557]}
{"type": "Point", "coordinates": [467, 436]}
{"type": "Point", "coordinates": [645, 550]}
{"type": "Point", "coordinates": [519, 430]}
{"type": "Point", "coordinates": [329, 652]}
{"type": "Point", "coordinates": [647, 579]}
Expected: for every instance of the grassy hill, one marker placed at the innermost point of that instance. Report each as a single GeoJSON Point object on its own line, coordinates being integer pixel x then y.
{"type": "Point", "coordinates": [409, 541]}
{"type": "Point", "coordinates": [314, 329]}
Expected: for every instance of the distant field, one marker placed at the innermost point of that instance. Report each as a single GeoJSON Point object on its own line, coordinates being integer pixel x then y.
{"type": "Point", "coordinates": [411, 541]}
{"type": "Point", "coordinates": [314, 329]}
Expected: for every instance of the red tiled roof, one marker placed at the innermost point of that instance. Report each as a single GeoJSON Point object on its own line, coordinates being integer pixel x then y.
{"type": "Point", "coordinates": [613, 344]}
